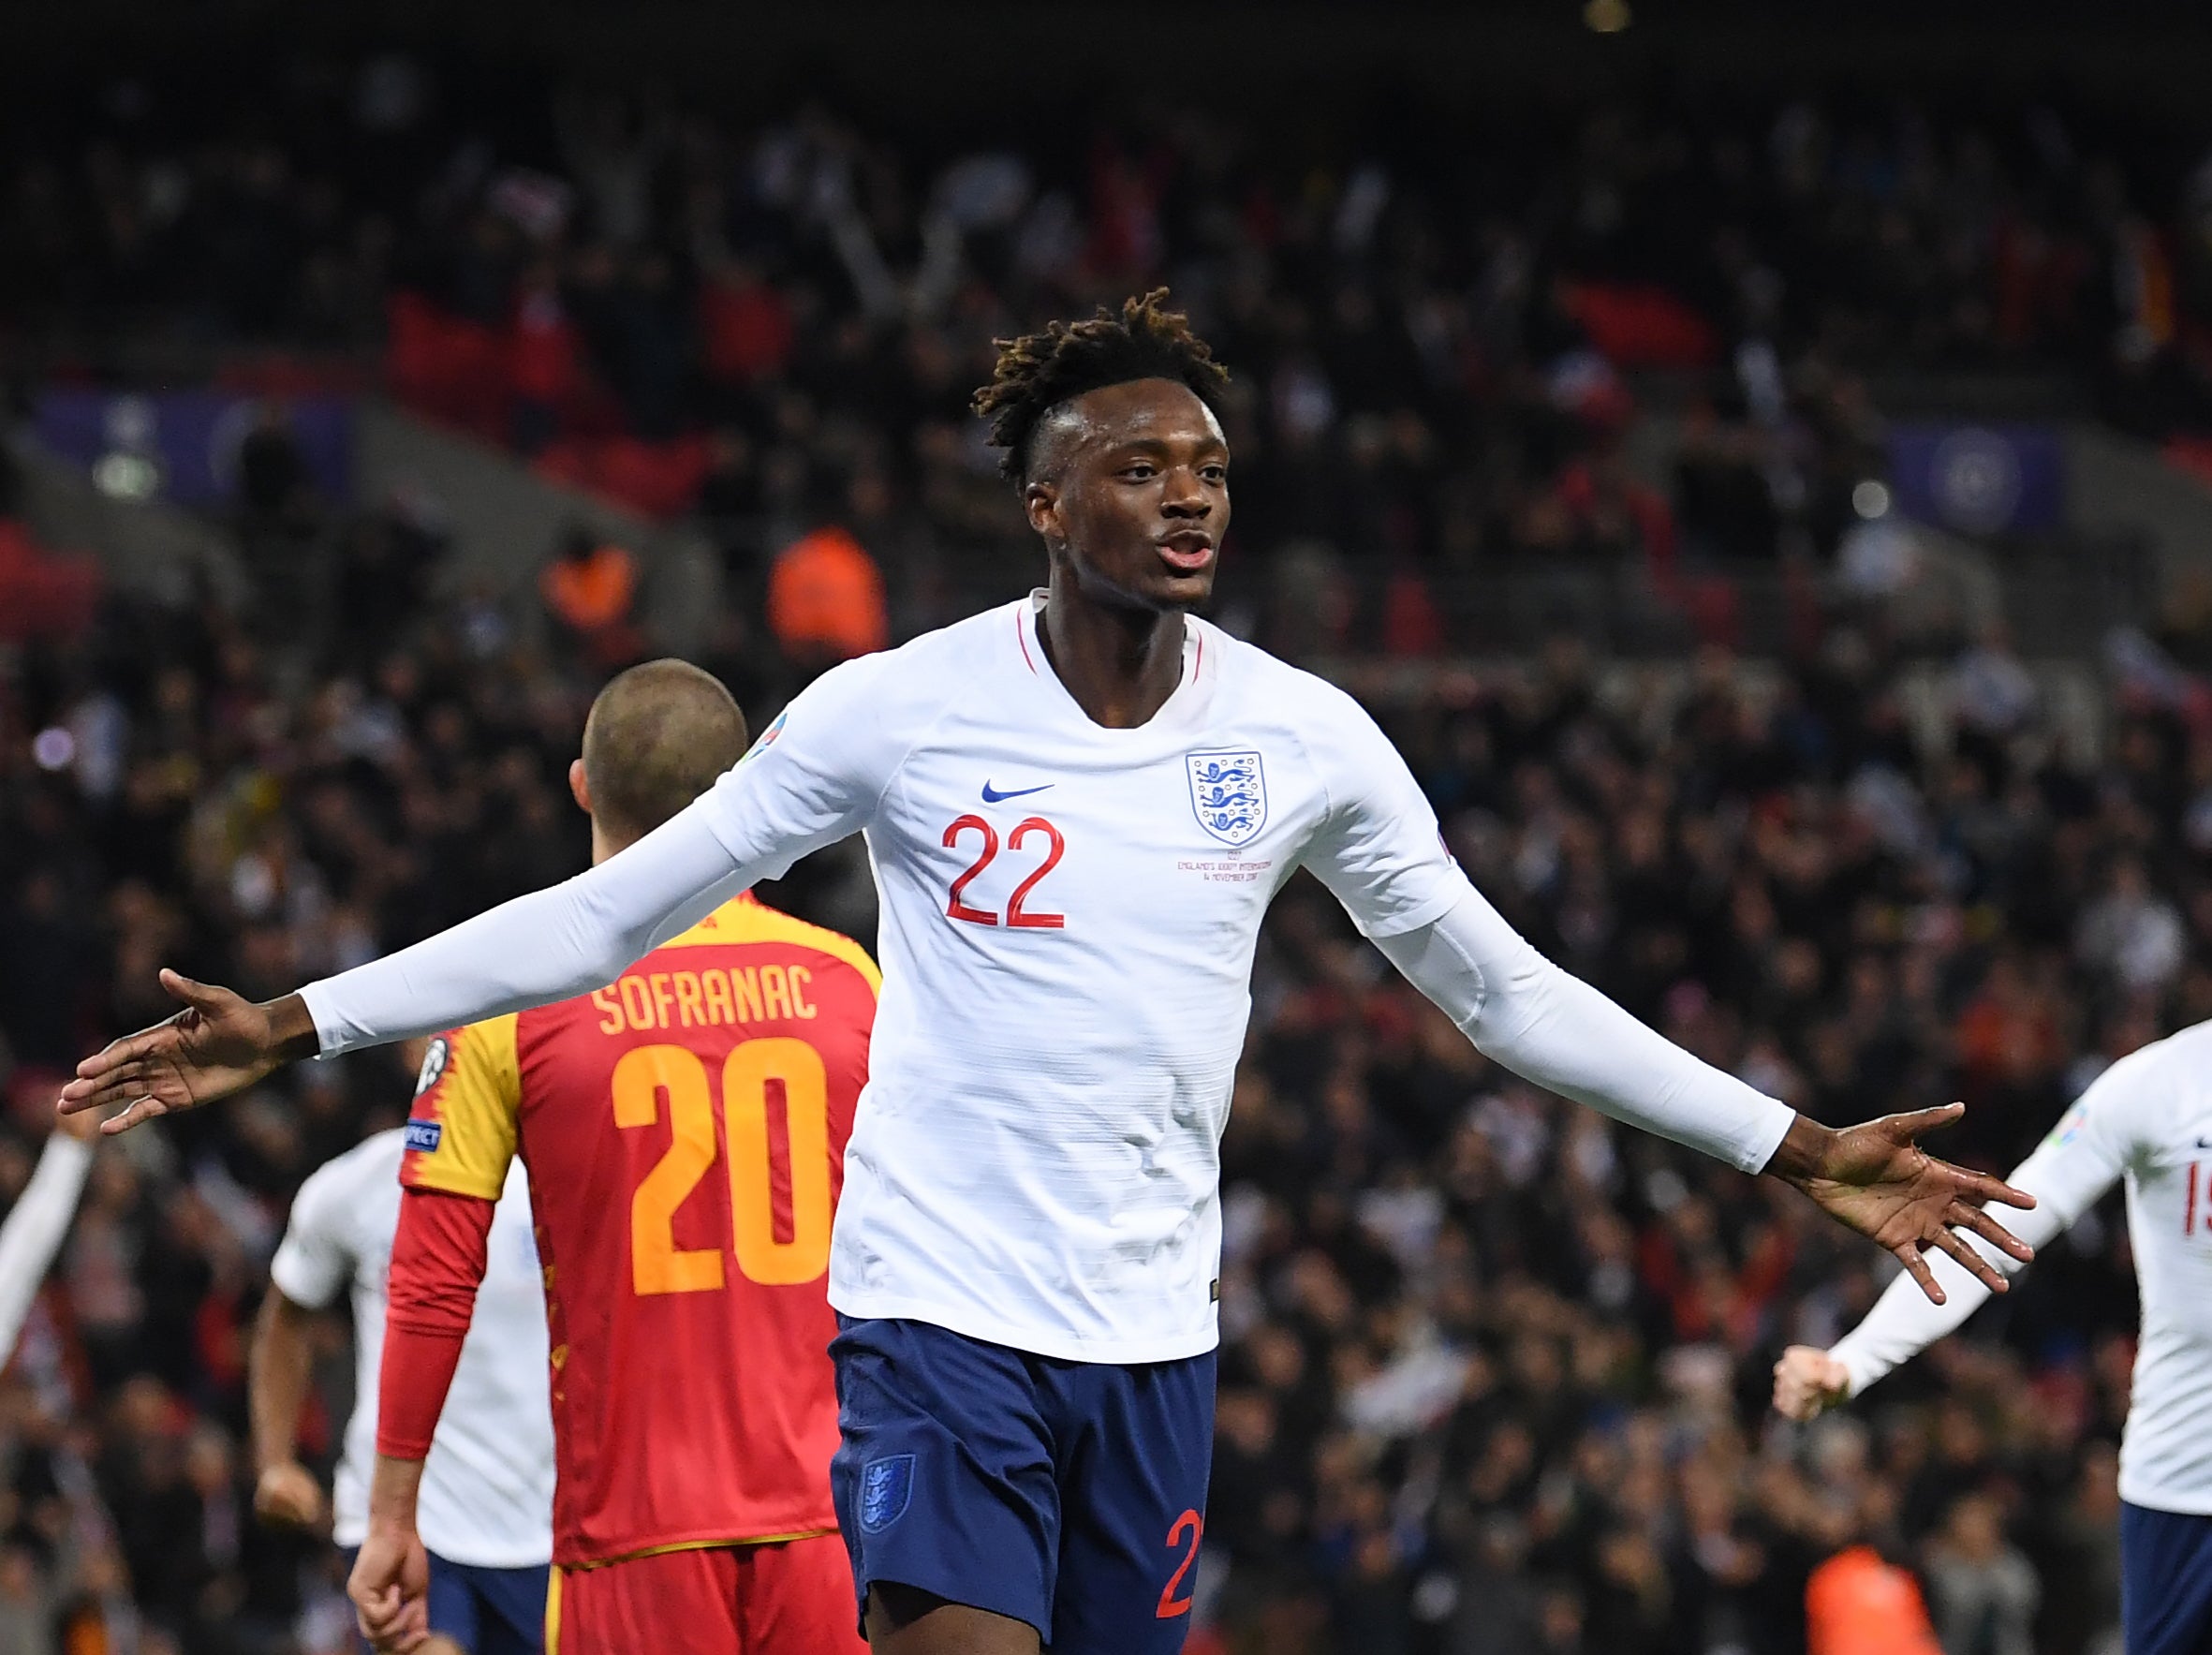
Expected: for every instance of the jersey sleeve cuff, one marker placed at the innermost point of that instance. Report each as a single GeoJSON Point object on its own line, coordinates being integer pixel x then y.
{"type": "Point", "coordinates": [1858, 1363]}
{"type": "Point", "coordinates": [1767, 1135]}
{"type": "Point", "coordinates": [329, 1027]}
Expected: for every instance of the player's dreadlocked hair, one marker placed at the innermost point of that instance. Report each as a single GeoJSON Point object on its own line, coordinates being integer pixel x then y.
{"type": "Point", "coordinates": [1038, 372]}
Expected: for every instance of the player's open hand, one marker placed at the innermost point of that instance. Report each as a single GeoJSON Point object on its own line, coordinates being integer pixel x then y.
{"type": "Point", "coordinates": [287, 1495]}
{"type": "Point", "coordinates": [390, 1590]}
{"type": "Point", "coordinates": [218, 1044]}
{"type": "Point", "coordinates": [1808, 1383]}
{"type": "Point", "coordinates": [1875, 1179]}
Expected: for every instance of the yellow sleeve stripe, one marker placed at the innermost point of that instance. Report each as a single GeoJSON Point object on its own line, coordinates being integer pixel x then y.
{"type": "Point", "coordinates": [462, 1130]}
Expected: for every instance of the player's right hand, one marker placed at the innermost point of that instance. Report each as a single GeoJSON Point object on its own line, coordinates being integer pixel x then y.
{"type": "Point", "coordinates": [287, 1494]}
{"type": "Point", "coordinates": [218, 1044]}
{"type": "Point", "coordinates": [390, 1590]}
{"type": "Point", "coordinates": [1808, 1383]}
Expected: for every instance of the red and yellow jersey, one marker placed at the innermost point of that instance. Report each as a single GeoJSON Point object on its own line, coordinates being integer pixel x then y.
{"type": "Point", "coordinates": [683, 1130]}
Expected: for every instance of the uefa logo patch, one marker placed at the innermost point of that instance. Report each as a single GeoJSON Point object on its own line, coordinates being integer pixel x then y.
{"type": "Point", "coordinates": [424, 1136]}
{"type": "Point", "coordinates": [885, 1487]}
{"type": "Point", "coordinates": [1228, 794]}
{"type": "Point", "coordinates": [433, 1064]}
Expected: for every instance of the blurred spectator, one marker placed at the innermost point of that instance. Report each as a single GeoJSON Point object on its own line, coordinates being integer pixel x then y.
{"type": "Point", "coordinates": [2130, 933]}
{"type": "Point", "coordinates": [1859, 1603]}
{"type": "Point", "coordinates": [825, 599]}
{"type": "Point", "coordinates": [1985, 1591]}
{"type": "Point", "coordinates": [590, 590]}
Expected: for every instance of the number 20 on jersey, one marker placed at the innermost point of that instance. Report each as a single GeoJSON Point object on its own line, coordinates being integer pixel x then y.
{"type": "Point", "coordinates": [754, 1072]}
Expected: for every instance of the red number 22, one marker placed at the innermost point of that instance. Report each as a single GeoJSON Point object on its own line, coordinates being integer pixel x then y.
{"type": "Point", "coordinates": [957, 904]}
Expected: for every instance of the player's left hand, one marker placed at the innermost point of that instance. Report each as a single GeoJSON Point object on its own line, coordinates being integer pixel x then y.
{"type": "Point", "coordinates": [218, 1044]}
{"type": "Point", "coordinates": [1808, 1383]}
{"type": "Point", "coordinates": [1875, 1179]}
{"type": "Point", "coordinates": [287, 1493]}
{"type": "Point", "coordinates": [391, 1590]}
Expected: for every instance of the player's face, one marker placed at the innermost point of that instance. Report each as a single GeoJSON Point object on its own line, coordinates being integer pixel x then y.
{"type": "Point", "coordinates": [1133, 492]}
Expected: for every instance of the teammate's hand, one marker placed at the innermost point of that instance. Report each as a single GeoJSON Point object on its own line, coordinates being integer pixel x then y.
{"type": "Point", "coordinates": [84, 1127]}
{"type": "Point", "coordinates": [218, 1044]}
{"type": "Point", "coordinates": [1877, 1179]}
{"type": "Point", "coordinates": [1808, 1383]}
{"type": "Point", "coordinates": [390, 1590]}
{"type": "Point", "coordinates": [288, 1495]}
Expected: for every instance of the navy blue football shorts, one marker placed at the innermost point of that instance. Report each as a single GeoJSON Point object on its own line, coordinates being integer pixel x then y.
{"type": "Point", "coordinates": [1068, 1495]}
{"type": "Point", "coordinates": [2166, 1582]}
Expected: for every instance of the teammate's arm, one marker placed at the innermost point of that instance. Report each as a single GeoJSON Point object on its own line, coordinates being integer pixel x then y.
{"type": "Point", "coordinates": [313, 1265]}
{"type": "Point", "coordinates": [35, 1225]}
{"type": "Point", "coordinates": [279, 1369]}
{"type": "Point", "coordinates": [1379, 851]}
{"type": "Point", "coordinates": [2068, 1173]}
{"type": "Point", "coordinates": [814, 777]}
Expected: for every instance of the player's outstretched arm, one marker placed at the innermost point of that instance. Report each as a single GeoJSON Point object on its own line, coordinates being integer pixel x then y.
{"type": "Point", "coordinates": [1877, 1179]}
{"type": "Point", "coordinates": [547, 946]}
{"type": "Point", "coordinates": [812, 787]}
{"type": "Point", "coordinates": [2068, 1173]}
{"type": "Point", "coordinates": [1556, 1030]}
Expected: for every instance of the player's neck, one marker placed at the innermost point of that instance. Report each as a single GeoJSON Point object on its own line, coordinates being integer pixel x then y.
{"type": "Point", "coordinates": [1119, 662]}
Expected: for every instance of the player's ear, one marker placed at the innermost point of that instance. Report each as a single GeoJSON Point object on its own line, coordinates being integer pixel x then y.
{"type": "Point", "coordinates": [1041, 501]}
{"type": "Point", "coordinates": [579, 788]}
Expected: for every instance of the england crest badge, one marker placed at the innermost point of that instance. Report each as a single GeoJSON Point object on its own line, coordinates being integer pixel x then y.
{"type": "Point", "coordinates": [1229, 794]}
{"type": "Point", "coordinates": [885, 1487]}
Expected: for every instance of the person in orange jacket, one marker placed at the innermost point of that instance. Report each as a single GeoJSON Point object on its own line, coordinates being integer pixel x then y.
{"type": "Point", "coordinates": [1861, 1602]}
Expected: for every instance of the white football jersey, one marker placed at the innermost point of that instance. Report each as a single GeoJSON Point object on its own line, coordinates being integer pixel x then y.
{"type": "Point", "coordinates": [2146, 1119]}
{"type": "Point", "coordinates": [487, 1487]}
{"type": "Point", "coordinates": [1068, 919]}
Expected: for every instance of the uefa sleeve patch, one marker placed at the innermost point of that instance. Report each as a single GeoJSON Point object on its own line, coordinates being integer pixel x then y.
{"type": "Point", "coordinates": [433, 1064]}
{"type": "Point", "coordinates": [885, 1488]}
{"type": "Point", "coordinates": [424, 1136]}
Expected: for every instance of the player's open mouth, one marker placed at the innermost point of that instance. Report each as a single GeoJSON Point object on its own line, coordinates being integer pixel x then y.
{"type": "Point", "coordinates": [1189, 550]}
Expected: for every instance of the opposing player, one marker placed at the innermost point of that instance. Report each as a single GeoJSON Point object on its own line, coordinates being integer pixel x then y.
{"type": "Point", "coordinates": [2146, 1120]}
{"type": "Point", "coordinates": [1078, 806]}
{"type": "Point", "coordinates": [487, 1497]}
{"type": "Point", "coordinates": [684, 1128]}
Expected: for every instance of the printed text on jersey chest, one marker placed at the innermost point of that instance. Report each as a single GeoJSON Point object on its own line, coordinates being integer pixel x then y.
{"type": "Point", "coordinates": [1225, 870]}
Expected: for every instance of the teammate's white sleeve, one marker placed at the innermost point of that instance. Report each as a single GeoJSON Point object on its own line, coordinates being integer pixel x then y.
{"type": "Point", "coordinates": [315, 1259]}
{"type": "Point", "coordinates": [2069, 1173]}
{"type": "Point", "coordinates": [34, 1230]}
{"type": "Point", "coordinates": [1380, 852]}
{"type": "Point", "coordinates": [814, 777]}
{"type": "Point", "coordinates": [1556, 1030]}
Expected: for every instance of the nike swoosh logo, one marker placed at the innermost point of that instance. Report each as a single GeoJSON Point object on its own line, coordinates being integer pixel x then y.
{"type": "Point", "coordinates": [2205, 1143]}
{"type": "Point", "coordinates": [992, 795]}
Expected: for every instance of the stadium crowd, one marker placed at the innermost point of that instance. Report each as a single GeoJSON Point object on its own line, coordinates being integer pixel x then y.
{"type": "Point", "coordinates": [1494, 1371]}
{"type": "Point", "coordinates": [763, 314]}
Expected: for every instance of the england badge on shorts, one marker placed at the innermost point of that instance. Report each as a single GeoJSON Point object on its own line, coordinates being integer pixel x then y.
{"type": "Point", "coordinates": [885, 1487]}
{"type": "Point", "coordinates": [1229, 794]}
